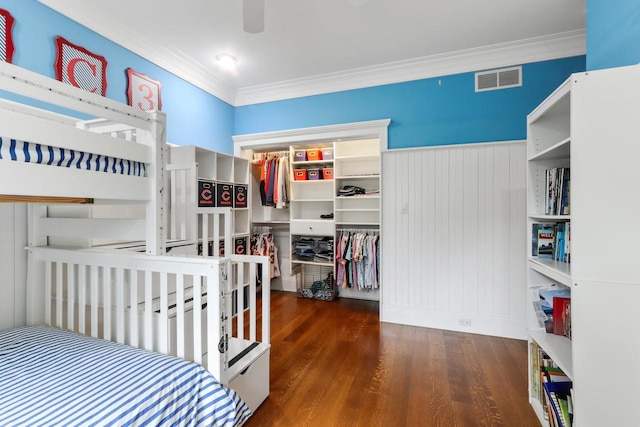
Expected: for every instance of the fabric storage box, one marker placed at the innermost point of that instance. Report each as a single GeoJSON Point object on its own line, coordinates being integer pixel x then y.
{"type": "Point", "coordinates": [225, 196]}
{"type": "Point", "coordinates": [313, 174]}
{"type": "Point", "coordinates": [240, 246]}
{"type": "Point", "coordinates": [327, 173]}
{"type": "Point", "coordinates": [327, 153]}
{"type": "Point", "coordinates": [240, 196]}
{"type": "Point", "coordinates": [300, 156]}
{"type": "Point", "coordinates": [300, 174]}
{"type": "Point", "coordinates": [206, 193]}
{"type": "Point", "coordinates": [314, 154]}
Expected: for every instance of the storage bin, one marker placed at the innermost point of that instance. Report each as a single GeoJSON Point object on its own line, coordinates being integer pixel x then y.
{"type": "Point", "coordinates": [225, 196]}
{"type": "Point", "coordinates": [240, 246]}
{"type": "Point", "coordinates": [327, 153]}
{"type": "Point", "coordinates": [314, 154]}
{"type": "Point", "coordinates": [327, 173]}
{"type": "Point", "coordinates": [313, 174]}
{"type": "Point", "coordinates": [206, 193]}
{"type": "Point", "coordinates": [300, 174]}
{"type": "Point", "coordinates": [240, 196]}
{"type": "Point", "coordinates": [300, 155]}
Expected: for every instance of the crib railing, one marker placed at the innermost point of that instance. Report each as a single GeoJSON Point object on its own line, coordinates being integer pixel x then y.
{"type": "Point", "coordinates": [170, 304]}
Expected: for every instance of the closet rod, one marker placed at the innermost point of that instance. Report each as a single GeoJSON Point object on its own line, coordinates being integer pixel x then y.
{"type": "Point", "coordinates": [360, 230]}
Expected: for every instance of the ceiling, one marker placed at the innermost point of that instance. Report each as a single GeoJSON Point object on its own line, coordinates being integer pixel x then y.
{"type": "Point", "coordinates": [319, 46]}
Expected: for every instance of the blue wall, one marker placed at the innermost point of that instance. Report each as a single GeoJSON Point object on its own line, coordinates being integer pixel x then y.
{"type": "Point", "coordinates": [426, 112]}
{"type": "Point", "coordinates": [193, 116]}
{"type": "Point", "coordinates": [435, 111]}
{"type": "Point", "coordinates": [613, 33]}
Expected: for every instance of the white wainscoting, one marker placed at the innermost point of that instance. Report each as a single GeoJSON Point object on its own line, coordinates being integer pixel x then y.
{"type": "Point", "coordinates": [13, 264]}
{"type": "Point", "coordinates": [453, 229]}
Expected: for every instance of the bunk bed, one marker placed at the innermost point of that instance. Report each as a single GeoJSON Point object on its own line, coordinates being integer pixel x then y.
{"type": "Point", "coordinates": [137, 302]}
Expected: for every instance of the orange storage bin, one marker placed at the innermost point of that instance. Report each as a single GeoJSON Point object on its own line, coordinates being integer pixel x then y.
{"type": "Point", "coordinates": [314, 154]}
{"type": "Point", "coordinates": [327, 173]}
{"type": "Point", "coordinates": [300, 174]}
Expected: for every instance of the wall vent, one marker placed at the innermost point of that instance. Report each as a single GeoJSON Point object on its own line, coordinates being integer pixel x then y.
{"type": "Point", "coordinates": [499, 79]}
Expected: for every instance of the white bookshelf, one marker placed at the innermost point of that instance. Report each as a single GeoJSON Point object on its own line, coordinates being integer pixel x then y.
{"type": "Point", "coordinates": [590, 124]}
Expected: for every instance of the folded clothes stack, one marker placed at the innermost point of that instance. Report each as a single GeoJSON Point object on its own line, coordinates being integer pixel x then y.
{"type": "Point", "coordinates": [318, 249]}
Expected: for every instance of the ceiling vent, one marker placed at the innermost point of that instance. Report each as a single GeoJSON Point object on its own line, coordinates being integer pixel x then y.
{"type": "Point", "coordinates": [499, 79]}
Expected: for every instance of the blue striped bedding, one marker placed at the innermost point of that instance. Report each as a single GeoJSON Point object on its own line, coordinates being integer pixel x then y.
{"type": "Point", "coordinates": [23, 151]}
{"type": "Point", "coordinates": [51, 377]}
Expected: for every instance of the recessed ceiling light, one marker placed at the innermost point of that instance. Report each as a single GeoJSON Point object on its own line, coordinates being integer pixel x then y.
{"type": "Point", "coordinates": [226, 61]}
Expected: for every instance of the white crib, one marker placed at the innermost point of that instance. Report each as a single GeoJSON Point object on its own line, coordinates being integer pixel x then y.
{"type": "Point", "coordinates": [188, 306]}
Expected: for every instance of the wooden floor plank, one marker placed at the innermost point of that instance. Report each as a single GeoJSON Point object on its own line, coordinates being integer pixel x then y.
{"type": "Point", "coordinates": [335, 364]}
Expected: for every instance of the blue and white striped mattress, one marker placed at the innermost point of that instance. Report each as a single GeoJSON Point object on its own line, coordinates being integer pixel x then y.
{"type": "Point", "coordinates": [23, 151]}
{"type": "Point", "coordinates": [51, 377]}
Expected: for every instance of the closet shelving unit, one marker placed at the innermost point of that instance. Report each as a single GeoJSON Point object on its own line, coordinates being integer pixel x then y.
{"type": "Point", "coordinates": [355, 146]}
{"type": "Point", "coordinates": [358, 163]}
{"type": "Point", "coordinates": [590, 125]}
{"type": "Point", "coordinates": [310, 199]}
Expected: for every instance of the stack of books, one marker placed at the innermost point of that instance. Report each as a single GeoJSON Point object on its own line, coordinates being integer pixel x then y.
{"type": "Point", "coordinates": [551, 387]}
{"type": "Point", "coordinates": [558, 185]}
{"type": "Point", "coordinates": [552, 241]}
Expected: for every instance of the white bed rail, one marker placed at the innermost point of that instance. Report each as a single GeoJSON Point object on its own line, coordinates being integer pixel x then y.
{"type": "Point", "coordinates": [171, 304]}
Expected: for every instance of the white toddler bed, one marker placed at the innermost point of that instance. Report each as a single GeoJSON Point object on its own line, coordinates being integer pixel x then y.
{"type": "Point", "coordinates": [178, 305]}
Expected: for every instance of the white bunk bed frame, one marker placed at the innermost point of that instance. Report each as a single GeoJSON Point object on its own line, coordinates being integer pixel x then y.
{"type": "Point", "coordinates": [179, 305]}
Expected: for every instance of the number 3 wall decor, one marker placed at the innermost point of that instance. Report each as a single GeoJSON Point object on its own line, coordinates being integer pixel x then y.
{"type": "Point", "coordinates": [143, 92]}
{"type": "Point", "coordinates": [6, 37]}
{"type": "Point", "coordinates": [78, 67]}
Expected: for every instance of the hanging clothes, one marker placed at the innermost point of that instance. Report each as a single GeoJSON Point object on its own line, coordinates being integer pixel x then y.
{"type": "Point", "coordinates": [358, 260]}
{"type": "Point", "coordinates": [274, 179]}
{"type": "Point", "coordinates": [264, 244]}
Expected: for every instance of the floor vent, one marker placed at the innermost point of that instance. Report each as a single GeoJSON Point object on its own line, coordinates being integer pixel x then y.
{"type": "Point", "coordinates": [499, 79]}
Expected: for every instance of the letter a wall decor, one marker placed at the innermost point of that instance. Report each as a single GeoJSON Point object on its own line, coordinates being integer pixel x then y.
{"type": "Point", "coordinates": [6, 36]}
{"type": "Point", "coordinates": [78, 67]}
{"type": "Point", "coordinates": [143, 92]}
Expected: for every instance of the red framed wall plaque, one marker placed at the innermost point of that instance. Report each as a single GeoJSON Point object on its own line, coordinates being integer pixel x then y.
{"type": "Point", "coordinates": [6, 36]}
{"type": "Point", "coordinates": [78, 67]}
{"type": "Point", "coordinates": [143, 92]}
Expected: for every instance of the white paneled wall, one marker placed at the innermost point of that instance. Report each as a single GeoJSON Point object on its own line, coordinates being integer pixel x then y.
{"type": "Point", "coordinates": [13, 261]}
{"type": "Point", "coordinates": [453, 230]}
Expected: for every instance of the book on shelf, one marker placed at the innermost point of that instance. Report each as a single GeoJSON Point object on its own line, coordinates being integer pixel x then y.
{"type": "Point", "coordinates": [551, 241]}
{"type": "Point", "coordinates": [556, 391]}
{"type": "Point", "coordinates": [558, 185]}
{"type": "Point", "coordinates": [547, 298]}
{"type": "Point", "coordinates": [546, 241]}
{"type": "Point", "coordinates": [551, 387]}
{"type": "Point", "coordinates": [562, 316]}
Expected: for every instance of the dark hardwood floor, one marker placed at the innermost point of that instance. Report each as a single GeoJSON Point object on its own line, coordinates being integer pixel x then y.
{"type": "Point", "coordinates": [335, 364]}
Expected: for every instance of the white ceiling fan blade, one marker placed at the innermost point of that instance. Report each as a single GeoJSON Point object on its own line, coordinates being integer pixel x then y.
{"type": "Point", "coordinates": [253, 16]}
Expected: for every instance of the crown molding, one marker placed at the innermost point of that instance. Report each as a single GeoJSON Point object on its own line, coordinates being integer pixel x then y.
{"type": "Point", "coordinates": [172, 60]}
{"type": "Point", "coordinates": [176, 62]}
{"type": "Point", "coordinates": [495, 56]}
{"type": "Point", "coordinates": [265, 140]}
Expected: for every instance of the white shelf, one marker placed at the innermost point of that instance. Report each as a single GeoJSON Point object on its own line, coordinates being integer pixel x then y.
{"type": "Point", "coordinates": [557, 347]}
{"type": "Point", "coordinates": [356, 158]}
{"type": "Point", "coordinates": [368, 176]}
{"type": "Point", "coordinates": [556, 270]}
{"type": "Point", "coordinates": [311, 200]}
{"type": "Point", "coordinates": [561, 150]}
{"type": "Point", "coordinates": [360, 196]}
{"type": "Point", "coordinates": [357, 210]}
{"type": "Point", "coordinates": [323, 264]}
{"type": "Point", "coordinates": [549, 218]}
{"type": "Point", "coordinates": [311, 163]}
